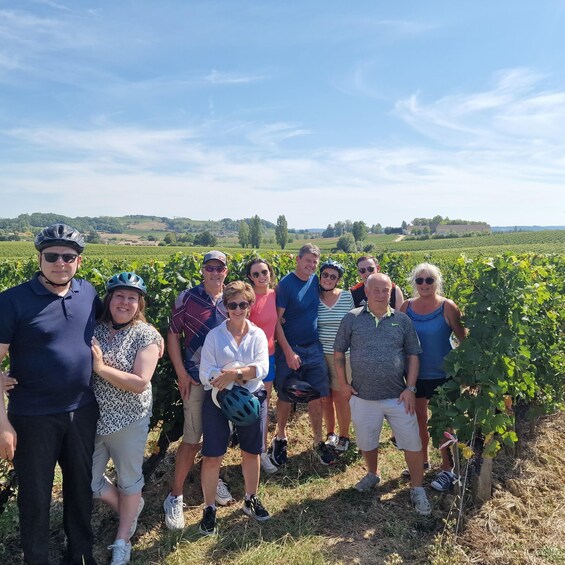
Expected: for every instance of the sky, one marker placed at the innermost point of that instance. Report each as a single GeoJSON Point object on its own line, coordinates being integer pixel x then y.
{"type": "Point", "coordinates": [319, 110]}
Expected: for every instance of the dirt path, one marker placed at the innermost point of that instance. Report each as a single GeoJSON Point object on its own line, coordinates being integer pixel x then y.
{"type": "Point", "coordinates": [399, 238]}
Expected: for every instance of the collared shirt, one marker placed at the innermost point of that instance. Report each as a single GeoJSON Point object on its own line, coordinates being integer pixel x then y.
{"type": "Point", "coordinates": [49, 338]}
{"type": "Point", "coordinates": [378, 351]}
{"type": "Point", "coordinates": [194, 315]}
{"type": "Point", "coordinates": [387, 314]}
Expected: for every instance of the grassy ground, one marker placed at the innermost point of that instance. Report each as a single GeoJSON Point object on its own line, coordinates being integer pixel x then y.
{"type": "Point", "coordinates": [317, 518]}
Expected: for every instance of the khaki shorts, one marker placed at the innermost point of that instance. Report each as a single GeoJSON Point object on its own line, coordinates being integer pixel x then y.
{"type": "Point", "coordinates": [192, 429]}
{"type": "Point", "coordinates": [334, 385]}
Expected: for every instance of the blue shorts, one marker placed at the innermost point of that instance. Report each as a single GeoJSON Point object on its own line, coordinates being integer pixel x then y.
{"type": "Point", "coordinates": [271, 374]}
{"type": "Point", "coordinates": [216, 429]}
{"type": "Point", "coordinates": [313, 369]}
{"type": "Point", "coordinates": [426, 388]}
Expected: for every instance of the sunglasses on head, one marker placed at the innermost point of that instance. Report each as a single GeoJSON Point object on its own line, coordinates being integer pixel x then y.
{"type": "Point", "coordinates": [54, 257]}
{"type": "Point", "coordinates": [234, 305]}
{"type": "Point", "coordinates": [212, 268]}
{"type": "Point", "coordinates": [427, 280]}
{"type": "Point", "coordinates": [362, 270]}
{"type": "Point", "coordinates": [257, 274]}
{"type": "Point", "coordinates": [326, 275]}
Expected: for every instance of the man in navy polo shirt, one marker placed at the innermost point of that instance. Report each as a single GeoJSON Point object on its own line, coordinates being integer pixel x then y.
{"type": "Point", "coordinates": [46, 327]}
{"type": "Point", "coordinates": [299, 349]}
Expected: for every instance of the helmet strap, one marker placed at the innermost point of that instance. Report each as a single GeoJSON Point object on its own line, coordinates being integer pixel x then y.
{"type": "Point", "coordinates": [51, 283]}
{"type": "Point", "coordinates": [119, 326]}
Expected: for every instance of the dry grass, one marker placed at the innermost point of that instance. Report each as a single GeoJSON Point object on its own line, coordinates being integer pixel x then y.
{"type": "Point", "coordinates": [317, 518]}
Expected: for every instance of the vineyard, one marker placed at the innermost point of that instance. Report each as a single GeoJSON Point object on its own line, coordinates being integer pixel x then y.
{"type": "Point", "coordinates": [512, 362]}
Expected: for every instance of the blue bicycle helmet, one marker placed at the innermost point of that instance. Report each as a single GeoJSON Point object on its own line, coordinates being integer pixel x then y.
{"type": "Point", "coordinates": [331, 264]}
{"type": "Point", "coordinates": [59, 234]}
{"type": "Point", "coordinates": [126, 279]}
{"type": "Point", "coordinates": [238, 405]}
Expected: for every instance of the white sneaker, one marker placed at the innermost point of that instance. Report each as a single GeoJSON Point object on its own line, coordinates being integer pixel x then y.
{"type": "Point", "coordinates": [223, 495]}
{"type": "Point", "coordinates": [134, 523]}
{"type": "Point", "coordinates": [419, 501]}
{"type": "Point", "coordinates": [174, 514]}
{"type": "Point", "coordinates": [121, 552]}
{"type": "Point", "coordinates": [267, 464]}
{"type": "Point", "coordinates": [332, 440]}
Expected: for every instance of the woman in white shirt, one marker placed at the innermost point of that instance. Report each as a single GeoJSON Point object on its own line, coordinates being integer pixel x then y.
{"type": "Point", "coordinates": [234, 354]}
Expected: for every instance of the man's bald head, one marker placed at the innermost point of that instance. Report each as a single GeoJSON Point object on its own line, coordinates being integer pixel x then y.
{"type": "Point", "coordinates": [377, 289]}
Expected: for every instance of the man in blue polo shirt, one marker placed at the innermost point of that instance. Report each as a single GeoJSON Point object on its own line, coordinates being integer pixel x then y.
{"type": "Point", "coordinates": [46, 327]}
{"type": "Point", "coordinates": [299, 349]}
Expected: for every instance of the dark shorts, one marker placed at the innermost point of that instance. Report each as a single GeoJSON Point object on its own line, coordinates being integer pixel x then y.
{"type": "Point", "coordinates": [216, 429]}
{"type": "Point", "coordinates": [426, 388]}
{"type": "Point", "coordinates": [313, 369]}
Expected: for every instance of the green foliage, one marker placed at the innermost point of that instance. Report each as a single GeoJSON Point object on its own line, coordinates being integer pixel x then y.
{"type": "Point", "coordinates": [243, 234]}
{"type": "Point", "coordinates": [346, 243]}
{"type": "Point", "coordinates": [255, 232]}
{"type": "Point", "coordinates": [360, 231]}
{"type": "Point", "coordinates": [281, 231]}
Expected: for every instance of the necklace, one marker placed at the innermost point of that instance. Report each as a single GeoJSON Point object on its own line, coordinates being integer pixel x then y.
{"type": "Point", "coordinates": [120, 326]}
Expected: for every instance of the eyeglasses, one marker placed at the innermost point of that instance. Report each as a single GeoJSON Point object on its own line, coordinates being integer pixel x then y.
{"type": "Point", "coordinates": [54, 257]}
{"type": "Point", "coordinates": [329, 276]}
{"type": "Point", "coordinates": [234, 305]}
{"type": "Point", "coordinates": [257, 274]}
{"type": "Point", "coordinates": [212, 268]}
{"type": "Point", "coordinates": [362, 270]}
{"type": "Point", "coordinates": [427, 280]}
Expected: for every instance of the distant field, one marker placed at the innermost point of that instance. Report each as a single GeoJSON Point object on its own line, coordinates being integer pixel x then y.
{"type": "Point", "coordinates": [515, 242]}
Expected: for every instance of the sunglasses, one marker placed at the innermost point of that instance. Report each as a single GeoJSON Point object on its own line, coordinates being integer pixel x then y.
{"type": "Point", "coordinates": [427, 280]}
{"type": "Point", "coordinates": [212, 269]}
{"type": "Point", "coordinates": [257, 274]}
{"type": "Point", "coordinates": [54, 257]}
{"type": "Point", "coordinates": [362, 270]}
{"type": "Point", "coordinates": [332, 277]}
{"type": "Point", "coordinates": [234, 305]}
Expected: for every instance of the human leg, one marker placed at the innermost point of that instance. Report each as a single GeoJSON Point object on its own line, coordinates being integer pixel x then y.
{"type": "Point", "coordinates": [75, 461]}
{"type": "Point", "coordinates": [329, 413]}
{"type": "Point", "coordinates": [422, 416]}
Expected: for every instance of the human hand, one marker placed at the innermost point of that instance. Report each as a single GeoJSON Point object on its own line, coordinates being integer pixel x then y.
{"type": "Point", "coordinates": [224, 379]}
{"type": "Point", "coordinates": [184, 383]}
{"type": "Point", "coordinates": [293, 360]}
{"type": "Point", "coordinates": [409, 399]}
{"type": "Point", "coordinates": [8, 441]}
{"type": "Point", "coordinates": [97, 357]}
{"type": "Point", "coordinates": [8, 383]}
{"type": "Point", "coordinates": [347, 391]}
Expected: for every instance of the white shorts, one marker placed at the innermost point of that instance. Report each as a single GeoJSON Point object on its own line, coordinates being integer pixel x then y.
{"type": "Point", "coordinates": [368, 415]}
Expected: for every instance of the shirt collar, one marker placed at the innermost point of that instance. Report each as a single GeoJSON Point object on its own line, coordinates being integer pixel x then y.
{"type": "Point", "coordinates": [389, 312]}
{"type": "Point", "coordinates": [39, 289]}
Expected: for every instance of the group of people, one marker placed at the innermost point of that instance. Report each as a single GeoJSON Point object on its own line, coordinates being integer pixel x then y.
{"type": "Point", "coordinates": [80, 372]}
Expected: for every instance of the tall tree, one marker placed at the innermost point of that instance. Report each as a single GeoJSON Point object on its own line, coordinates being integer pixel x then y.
{"type": "Point", "coordinates": [255, 232]}
{"type": "Point", "coordinates": [281, 232]}
{"type": "Point", "coordinates": [359, 230]}
{"type": "Point", "coordinates": [243, 234]}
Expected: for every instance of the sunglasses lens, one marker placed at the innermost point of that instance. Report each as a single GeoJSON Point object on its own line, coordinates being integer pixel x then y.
{"type": "Point", "coordinates": [234, 305]}
{"type": "Point", "coordinates": [68, 257]}
{"type": "Point", "coordinates": [53, 257]}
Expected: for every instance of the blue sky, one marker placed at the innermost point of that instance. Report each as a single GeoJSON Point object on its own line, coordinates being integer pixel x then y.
{"type": "Point", "coordinates": [318, 110]}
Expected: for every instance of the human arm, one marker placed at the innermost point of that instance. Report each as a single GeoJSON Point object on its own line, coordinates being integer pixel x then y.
{"type": "Point", "coordinates": [8, 382]}
{"type": "Point", "coordinates": [399, 296]}
{"type": "Point", "coordinates": [453, 318]}
{"type": "Point", "coordinates": [345, 389]}
{"type": "Point", "coordinates": [140, 377]}
{"type": "Point", "coordinates": [175, 355]}
{"type": "Point", "coordinates": [8, 436]}
{"type": "Point", "coordinates": [404, 306]}
{"type": "Point", "coordinates": [292, 359]}
{"type": "Point", "coordinates": [407, 396]}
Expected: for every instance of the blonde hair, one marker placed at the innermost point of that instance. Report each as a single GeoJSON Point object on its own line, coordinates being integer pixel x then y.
{"type": "Point", "coordinates": [434, 272]}
{"type": "Point", "coordinates": [238, 287]}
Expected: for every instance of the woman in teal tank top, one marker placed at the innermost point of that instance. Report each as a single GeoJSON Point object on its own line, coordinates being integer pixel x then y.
{"type": "Point", "coordinates": [435, 318]}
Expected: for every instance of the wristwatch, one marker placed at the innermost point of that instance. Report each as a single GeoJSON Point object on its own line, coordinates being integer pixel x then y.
{"type": "Point", "coordinates": [239, 375]}
{"type": "Point", "coordinates": [411, 389]}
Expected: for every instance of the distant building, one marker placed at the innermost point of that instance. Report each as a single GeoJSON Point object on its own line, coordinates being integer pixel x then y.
{"type": "Point", "coordinates": [444, 229]}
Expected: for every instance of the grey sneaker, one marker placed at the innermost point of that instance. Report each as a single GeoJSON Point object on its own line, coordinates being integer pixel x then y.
{"type": "Point", "coordinates": [419, 501]}
{"type": "Point", "coordinates": [332, 441]}
{"type": "Point", "coordinates": [134, 523]}
{"type": "Point", "coordinates": [267, 464]}
{"type": "Point", "coordinates": [368, 482]}
{"type": "Point", "coordinates": [223, 495]}
{"type": "Point", "coordinates": [174, 514]}
{"type": "Point", "coordinates": [121, 552]}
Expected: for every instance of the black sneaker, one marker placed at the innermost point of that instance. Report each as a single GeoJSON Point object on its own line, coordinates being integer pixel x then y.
{"type": "Point", "coordinates": [342, 444]}
{"type": "Point", "coordinates": [207, 525]}
{"type": "Point", "coordinates": [255, 509]}
{"type": "Point", "coordinates": [324, 454]}
{"type": "Point", "coordinates": [278, 451]}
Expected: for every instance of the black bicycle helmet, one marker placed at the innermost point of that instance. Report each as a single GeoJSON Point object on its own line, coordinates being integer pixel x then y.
{"type": "Point", "coordinates": [59, 234]}
{"type": "Point", "coordinates": [300, 391]}
{"type": "Point", "coordinates": [126, 279]}
{"type": "Point", "coordinates": [331, 264]}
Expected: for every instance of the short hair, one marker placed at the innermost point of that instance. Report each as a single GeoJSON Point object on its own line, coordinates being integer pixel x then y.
{"type": "Point", "coordinates": [367, 258]}
{"type": "Point", "coordinates": [107, 317]}
{"type": "Point", "coordinates": [434, 272]}
{"type": "Point", "coordinates": [255, 262]}
{"type": "Point", "coordinates": [309, 248]}
{"type": "Point", "coordinates": [238, 287]}
{"type": "Point", "coordinates": [373, 276]}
